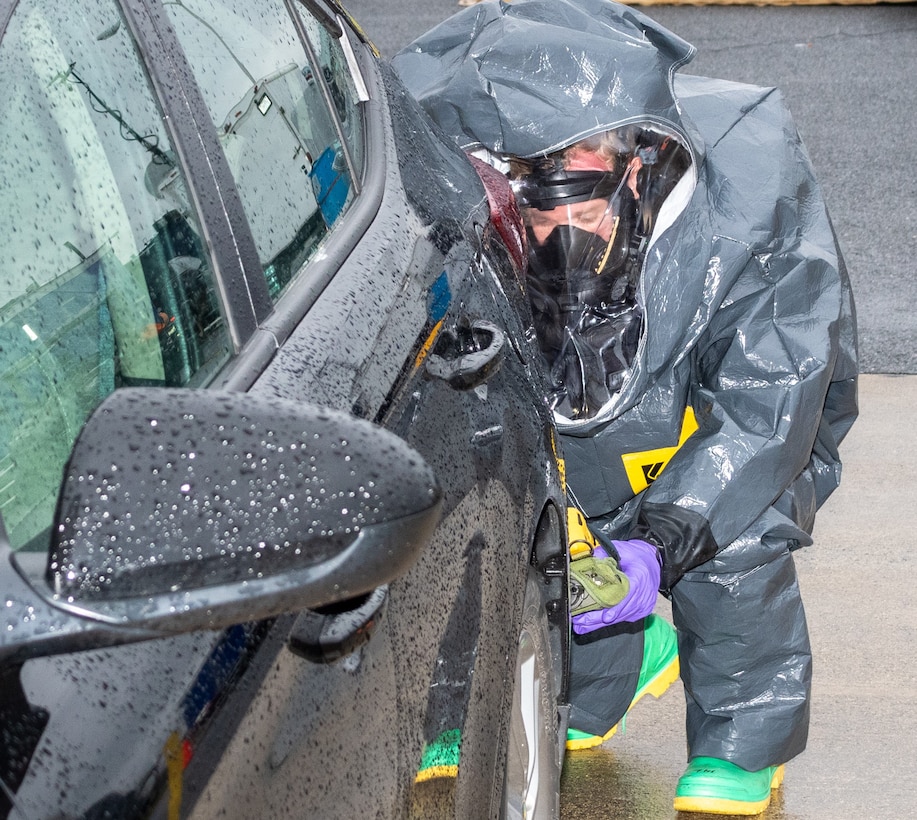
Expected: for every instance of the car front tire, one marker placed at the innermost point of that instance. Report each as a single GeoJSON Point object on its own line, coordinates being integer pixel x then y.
{"type": "Point", "coordinates": [534, 755]}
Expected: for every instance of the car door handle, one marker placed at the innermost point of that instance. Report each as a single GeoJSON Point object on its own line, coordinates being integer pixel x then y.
{"type": "Point", "coordinates": [467, 355]}
{"type": "Point", "coordinates": [328, 634]}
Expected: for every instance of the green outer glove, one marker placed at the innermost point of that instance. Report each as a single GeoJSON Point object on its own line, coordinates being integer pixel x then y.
{"type": "Point", "coordinates": [596, 582]}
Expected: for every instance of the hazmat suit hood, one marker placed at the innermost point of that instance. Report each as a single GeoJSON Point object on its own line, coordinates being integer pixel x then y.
{"type": "Point", "coordinates": [529, 78]}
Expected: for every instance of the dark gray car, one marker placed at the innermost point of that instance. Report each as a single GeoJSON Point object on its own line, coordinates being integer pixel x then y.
{"type": "Point", "coordinates": [281, 504]}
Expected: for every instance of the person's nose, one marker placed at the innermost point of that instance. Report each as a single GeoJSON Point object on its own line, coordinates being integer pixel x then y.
{"type": "Point", "coordinates": [540, 232]}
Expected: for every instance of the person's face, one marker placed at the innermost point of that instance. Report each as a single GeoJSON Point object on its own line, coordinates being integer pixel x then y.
{"type": "Point", "coordinates": [593, 215]}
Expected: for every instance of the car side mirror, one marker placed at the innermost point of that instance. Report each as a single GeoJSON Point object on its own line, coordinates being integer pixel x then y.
{"type": "Point", "coordinates": [197, 509]}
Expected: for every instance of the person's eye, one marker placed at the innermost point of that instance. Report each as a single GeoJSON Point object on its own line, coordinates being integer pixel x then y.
{"type": "Point", "coordinates": [538, 223]}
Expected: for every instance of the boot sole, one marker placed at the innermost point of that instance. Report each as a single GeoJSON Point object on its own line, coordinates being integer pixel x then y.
{"type": "Point", "coordinates": [655, 686]}
{"type": "Point", "coordinates": [719, 805]}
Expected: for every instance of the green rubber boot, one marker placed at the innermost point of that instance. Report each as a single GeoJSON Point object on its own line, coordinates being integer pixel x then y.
{"type": "Point", "coordinates": [657, 673]}
{"type": "Point", "coordinates": [715, 786]}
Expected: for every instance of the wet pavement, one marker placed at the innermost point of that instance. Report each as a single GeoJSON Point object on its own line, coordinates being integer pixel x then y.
{"type": "Point", "coordinates": [861, 761]}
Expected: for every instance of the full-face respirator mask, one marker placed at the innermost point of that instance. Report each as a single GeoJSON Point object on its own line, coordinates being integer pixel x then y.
{"type": "Point", "coordinates": [589, 216]}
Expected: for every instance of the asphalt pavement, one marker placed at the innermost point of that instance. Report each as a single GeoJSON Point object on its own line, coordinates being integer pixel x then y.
{"type": "Point", "coordinates": [847, 74]}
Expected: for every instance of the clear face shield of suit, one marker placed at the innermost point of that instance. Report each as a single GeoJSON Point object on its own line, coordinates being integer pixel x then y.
{"type": "Point", "coordinates": [589, 217]}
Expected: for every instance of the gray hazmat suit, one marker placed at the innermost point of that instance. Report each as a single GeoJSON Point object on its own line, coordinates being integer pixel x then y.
{"type": "Point", "coordinates": [721, 441]}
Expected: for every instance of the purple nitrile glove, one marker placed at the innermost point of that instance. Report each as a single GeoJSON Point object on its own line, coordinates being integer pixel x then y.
{"type": "Point", "coordinates": [640, 563]}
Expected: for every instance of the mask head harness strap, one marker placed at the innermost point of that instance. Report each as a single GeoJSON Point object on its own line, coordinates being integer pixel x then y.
{"type": "Point", "coordinates": [548, 187]}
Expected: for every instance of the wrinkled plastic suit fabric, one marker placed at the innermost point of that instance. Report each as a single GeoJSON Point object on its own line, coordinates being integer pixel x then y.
{"type": "Point", "coordinates": [473, 73]}
{"type": "Point", "coordinates": [749, 323]}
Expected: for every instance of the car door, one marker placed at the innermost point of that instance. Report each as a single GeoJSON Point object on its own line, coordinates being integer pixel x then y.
{"type": "Point", "coordinates": [413, 290]}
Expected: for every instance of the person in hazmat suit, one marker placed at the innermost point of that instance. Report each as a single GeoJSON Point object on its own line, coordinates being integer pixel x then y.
{"type": "Point", "coordinates": [698, 334]}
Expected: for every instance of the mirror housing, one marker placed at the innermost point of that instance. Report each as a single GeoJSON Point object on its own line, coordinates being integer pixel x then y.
{"type": "Point", "coordinates": [198, 509]}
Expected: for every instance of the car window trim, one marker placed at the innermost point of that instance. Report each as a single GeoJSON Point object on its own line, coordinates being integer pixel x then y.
{"type": "Point", "coordinates": [6, 11]}
{"type": "Point", "coordinates": [325, 18]}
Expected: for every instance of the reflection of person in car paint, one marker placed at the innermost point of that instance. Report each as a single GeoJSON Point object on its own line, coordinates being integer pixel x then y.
{"type": "Point", "coordinates": [696, 324]}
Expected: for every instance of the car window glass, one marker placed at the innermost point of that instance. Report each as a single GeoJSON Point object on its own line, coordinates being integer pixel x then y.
{"type": "Point", "coordinates": [276, 127]}
{"type": "Point", "coordinates": [336, 70]}
{"type": "Point", "coordinates": [104, 280]}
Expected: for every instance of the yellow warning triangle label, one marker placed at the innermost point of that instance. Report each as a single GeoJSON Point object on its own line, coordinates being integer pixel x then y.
{"type": "Point", "coordinates": [644, 467]}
